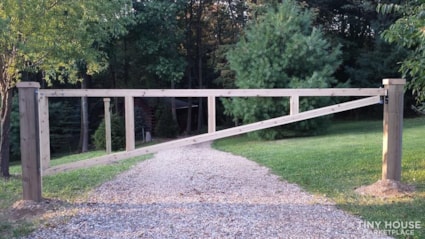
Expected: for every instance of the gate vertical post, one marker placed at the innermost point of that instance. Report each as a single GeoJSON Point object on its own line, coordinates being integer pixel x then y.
{"type": "Point", "coordinates": [129, 123]}
{"type": "Point", "coordinates": [43, 114]}
{"type": "Point", "coordinates": [30, 138]}
{"type": "Point", "coordinates": [294, 105]}
{"type": "Point", "coordinates": [393, 129]}
{"type": "Point", "coordinates": [108, 138]}
{"type": "Point", "coordinates": [211, 114]}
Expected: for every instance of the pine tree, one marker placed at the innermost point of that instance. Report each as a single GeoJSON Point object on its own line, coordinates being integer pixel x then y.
{"type": "Point", "coordinates": [281, 49]}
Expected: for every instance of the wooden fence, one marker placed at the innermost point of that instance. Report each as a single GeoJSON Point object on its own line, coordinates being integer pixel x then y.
{"type": "Point", "coordinates": [34, 117]}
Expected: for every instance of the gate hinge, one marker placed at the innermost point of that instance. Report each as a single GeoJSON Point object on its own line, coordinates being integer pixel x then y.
{"type": "Point", "coordinates": [384, 98]}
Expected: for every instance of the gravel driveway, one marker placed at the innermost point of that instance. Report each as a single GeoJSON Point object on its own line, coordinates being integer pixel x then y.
{"type": "Point", "coordinates": [199, 192]}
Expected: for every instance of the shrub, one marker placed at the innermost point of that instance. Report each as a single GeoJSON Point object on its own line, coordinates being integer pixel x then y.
{"type": "Point", "coordinates": [117, 134]}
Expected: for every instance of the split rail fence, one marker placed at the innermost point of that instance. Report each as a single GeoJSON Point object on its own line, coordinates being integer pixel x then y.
{"type": "Point", "coordinates": [35, 138]}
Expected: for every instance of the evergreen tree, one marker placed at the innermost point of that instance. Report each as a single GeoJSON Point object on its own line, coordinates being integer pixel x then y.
{"type": "Point", "coordinates": [117, 134]}
{"type": "Point", "coordinates": [281, 49]}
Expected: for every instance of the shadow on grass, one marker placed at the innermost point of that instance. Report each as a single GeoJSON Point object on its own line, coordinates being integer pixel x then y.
{"type": "Point", "coordinates": [392, 214]}
{"type": "Point", "coordinates": [341, 127]}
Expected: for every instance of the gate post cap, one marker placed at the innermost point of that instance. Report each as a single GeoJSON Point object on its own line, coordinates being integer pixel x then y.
{"type": "Point", "coordinates": [28, 84]}
{"type": "Point", "coordinates": [394, 81]}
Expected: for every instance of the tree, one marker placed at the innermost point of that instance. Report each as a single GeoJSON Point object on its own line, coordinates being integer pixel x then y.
{"type": "Point", "coordinates": [210, 26]}
{"type": "Point", "coordinates": [377, 59]}
{"type": "Point", "coordinates": [356, 25]}
{"type": "Point", "coordinates": [158, 37]}
{"type": "Point", "coordinates": [49, 36]}
{"type": "Point", "coordinates": [150, 54]}
{"type": "Point", "coordinates": [281, 50]}
{"type": "Point", "coordinates": [117, 134]}
{"type": "Point", "coordinates": [409, 31]}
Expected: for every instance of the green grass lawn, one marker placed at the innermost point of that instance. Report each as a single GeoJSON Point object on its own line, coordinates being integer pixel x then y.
{"type": "Point", "coordinates": [65, 187]}
{"type": "Point", "coordinates": [333, 164]}
{"type": "Point", "coordinates": [346, 157]}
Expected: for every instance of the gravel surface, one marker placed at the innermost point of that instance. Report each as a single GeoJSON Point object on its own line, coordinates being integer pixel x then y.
{"type": "Point", "coordinates": [199, 192]}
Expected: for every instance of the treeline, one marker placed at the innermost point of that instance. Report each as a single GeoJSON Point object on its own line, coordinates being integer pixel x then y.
{"type": "Point", "coordinates": [197, 44]}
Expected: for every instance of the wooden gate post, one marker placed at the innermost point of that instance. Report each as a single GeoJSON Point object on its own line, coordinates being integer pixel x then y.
{"type": "Point", "coordinates": [129, 124]}
{"type": "Point", "coordinates": [393, 129]}
{"type": "Point", "coordinates": [211, 114]}
{"type": "Point", "coordinates": [108, 138]}
{"type": "Point", "coordinates": [44, 129]}
{"type": "Point", "coordinates": [30, 151]}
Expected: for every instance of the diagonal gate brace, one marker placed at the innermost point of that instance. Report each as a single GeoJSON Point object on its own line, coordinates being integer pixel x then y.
{"type": "Point", "coordinates": [107, 159]}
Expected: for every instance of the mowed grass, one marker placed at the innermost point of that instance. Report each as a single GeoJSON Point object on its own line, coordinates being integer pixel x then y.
{"type": "Point", "coordinates": [333, 164]}
{"type": "Point", "coordinates": [65, 187]}
{"type": "Point", "coordinates": [345, 158]}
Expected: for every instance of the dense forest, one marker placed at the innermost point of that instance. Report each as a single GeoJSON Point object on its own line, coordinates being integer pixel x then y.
{"type": "Point", "coordinates": [198, 44]}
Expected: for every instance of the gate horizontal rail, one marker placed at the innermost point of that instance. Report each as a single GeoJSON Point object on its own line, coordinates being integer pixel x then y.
{"type": "Point", "coordinates": [213, 92]}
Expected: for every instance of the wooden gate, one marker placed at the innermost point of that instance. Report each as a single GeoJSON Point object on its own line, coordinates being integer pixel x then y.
{"type": "Point", "coordinates": [34, 117]}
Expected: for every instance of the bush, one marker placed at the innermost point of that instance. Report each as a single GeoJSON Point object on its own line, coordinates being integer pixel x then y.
{"type": "Point", "coordinates": [117, 134]}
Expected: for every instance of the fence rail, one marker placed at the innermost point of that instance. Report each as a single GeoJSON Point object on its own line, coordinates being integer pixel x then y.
{"type": "Point", "coordinates": [213, 92]}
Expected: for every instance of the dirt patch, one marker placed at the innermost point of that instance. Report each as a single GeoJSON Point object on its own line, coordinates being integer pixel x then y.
{"type": "Point", "coordinates": [387, 188]}
{"type": "Point", "coordinates": [27, 209]}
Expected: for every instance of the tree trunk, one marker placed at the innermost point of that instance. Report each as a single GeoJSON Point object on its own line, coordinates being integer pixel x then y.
{"type": "Point", "coordinates": [114, 78]}
{"type": "Point", "coordinates": [5, 114]}
{"type": "Point", "coordinates": [189, 102]}
{"type": "Point", "coordinates": [84, 132]}
{"type": "Point", "coordinates": [173, 104]}
{"type": "Point", "coordinates": [200, 99]}
{"type": "Point", "coordinates": [199, 58]}
{"type": "Point", "coordinates": [189, 117]}
{"type": "Point", "coordinates": [189, 46]}
{"type": "Point", "coordinates": [126, 65]}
